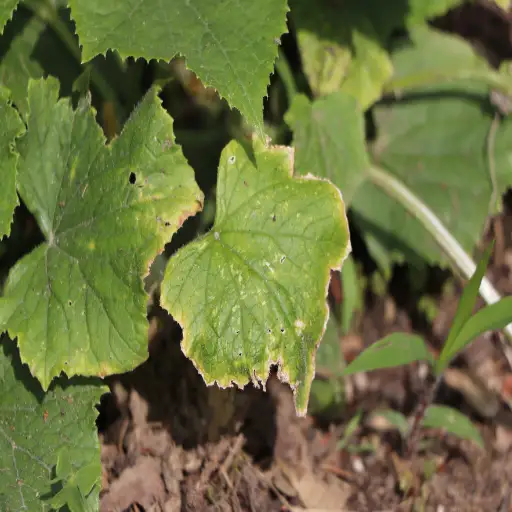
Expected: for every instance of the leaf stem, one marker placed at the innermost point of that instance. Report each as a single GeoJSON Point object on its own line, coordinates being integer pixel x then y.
{"type": "Point", "coordinates": [416, 80]}
{"type": "Point", "coordinates": [46, 12]}
{"type": "Point", "coordinates": [285, 72]}
{"type": "Point", "coordinates": [462, 262]}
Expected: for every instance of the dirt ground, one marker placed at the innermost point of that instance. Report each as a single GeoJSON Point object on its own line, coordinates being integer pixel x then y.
{"type": "Point", "coordinates": [169, 443]}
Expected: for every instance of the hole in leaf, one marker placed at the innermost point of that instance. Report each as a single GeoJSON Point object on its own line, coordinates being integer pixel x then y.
{"type": "Point", "coordinates": [231, 159]}
{"type": "Point", "coordinates": [132, 179]}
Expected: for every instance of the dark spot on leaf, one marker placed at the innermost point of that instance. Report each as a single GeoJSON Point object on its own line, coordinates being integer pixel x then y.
{"type": "Point", "coordinates": [167, 223]}
{"type": "Point", "coordinates": [69, 303]}
{"type": "Point", "coordinates": [132, 179]}
{"type": "Point", "coordinates": [273, 218]}
{"type": "Point", "coordinates": [237, 332]}
{"type": "Point", "coordinates": [245, 183]}
{"type": "Point", "coordinates": [282, 329]}
{"type": "Point", "coordinates": [240, 354]}
{"type": "Point", "coordinates": [282, 259]}
{"type": "Point", "coordinates": [269, 331]}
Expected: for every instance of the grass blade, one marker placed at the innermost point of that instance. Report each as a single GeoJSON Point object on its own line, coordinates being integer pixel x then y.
{"type": "Point", "coordinates": [394, 350]}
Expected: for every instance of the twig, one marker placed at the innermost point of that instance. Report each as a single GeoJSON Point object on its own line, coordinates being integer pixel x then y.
{"type": "Point", "coordinates": [411, 438]}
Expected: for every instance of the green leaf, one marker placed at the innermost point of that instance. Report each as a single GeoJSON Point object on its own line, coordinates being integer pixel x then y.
{"type": "Point", "coordinates": [441, 416]}
{"type": "Point", "coordinates": [350, 430]}
{"type": "Point", "coordinates": [11, 128]}
{"type": "Point", "coordinates": [430, 57]}
{"type": "Point", "coordinates": [252, 291]}
{"type": "Point", "coordinates": [342, 47]}
{"type": "Point", "coordinates": [36, 426]}
{"type": "Point", "coordinates": [428, 141]}
{"type": "Point", "coordinates": [394, 350]}
{"type": "Point", "coordinates": [77, 303]}
{"type": "Point", "coordinates": [329, 140]}
{"type": "Point", "coordinates": [230, 45]}
{"type": "Point", "coordinates": [492, 317]}
{"type": "Point", "coordinates": [17, 65]}
{"type": "Point", "coordinates": [395, 419]}
{"type": "Point", "coordinates": [6, 9]}
{"type": "Point", "coordinates": [453, 343]}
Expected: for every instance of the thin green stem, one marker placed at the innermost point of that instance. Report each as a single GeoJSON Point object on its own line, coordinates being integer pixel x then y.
{"type": "Point", "coordinates": [47, 13]}
{"type": "Point", "coordinates": [417, 80]}
{"type": "Point", "coordinates": [285, 72]}
{"type": "Point", "coordinates": [416, 207]}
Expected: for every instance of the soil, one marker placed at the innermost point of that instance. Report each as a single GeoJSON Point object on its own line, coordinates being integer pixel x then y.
{"type": "Point", "coordinates": [170, 443]}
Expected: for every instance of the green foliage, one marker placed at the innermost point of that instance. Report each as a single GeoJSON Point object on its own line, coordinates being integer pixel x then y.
{"type": "Point", "coordinates": [235, 291]}
{"type": "Point", "coordinates": [352, 294]}
{"type": "Point", "coordinates": [349, 431]}
{"type": "Point", "coordinates": [329, 140]}
{"type": "Point", "coordinates": [215, 38]}
{"type": "Point", "coordinates": [341, 49]}
{"type": "Point", "coordinates": [12, 127]}
{"type": "Point", "coordinates": [250, 292]}
{"type": "Point", "coordinates": [393, 350]}
{"type": "Point", "coordinates": [82, 289]}
{"type": "Point", "coordinates": [465, 308]}
{"type": "Point", "coordinates": [43, 433]}
{"type": "Point", "coordinates": [451, 420]}
{"type": "Point", "coordinates": [427, 141]}
{"type": "Point", "coordinates": [6, 9]}
{"type": "Point", "coordinates": [402, 348]}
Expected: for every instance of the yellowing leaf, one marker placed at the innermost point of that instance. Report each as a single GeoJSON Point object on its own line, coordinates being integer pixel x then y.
{"type": "Point", "coordinates": [252, 292]}
{"type": "Point", "coordinates": [76, 302]}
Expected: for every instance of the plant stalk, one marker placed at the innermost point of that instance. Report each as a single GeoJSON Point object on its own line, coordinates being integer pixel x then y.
{"type": "Point", "coordinates": [416, 80]}
{"type": "Point", "coordinates": [461, 261]}
{"type": "Point", "coordinates": [412, 436]}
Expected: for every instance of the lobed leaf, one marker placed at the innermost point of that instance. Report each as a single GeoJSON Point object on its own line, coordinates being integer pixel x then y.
{"type": "Point", "coordinates": [11, 128]}
{"type": "Point", "coordinates": [454, 422]}
{"type": "Point", "coordinates": [252, 292]}
{"type": "Point", "coordinates": [76, 302]}
{"type": "Point", "coordinates": [394, 350]}
{"type": "Point", "coordinates": [453, 343]}
{"type": "Point", "coordinates": [63, 418]}
{"type": "Point", "coordinates": [230, 44]}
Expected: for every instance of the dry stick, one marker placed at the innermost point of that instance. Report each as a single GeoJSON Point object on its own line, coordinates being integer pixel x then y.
{"type": "Point", "coordinates": [412, 436]}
